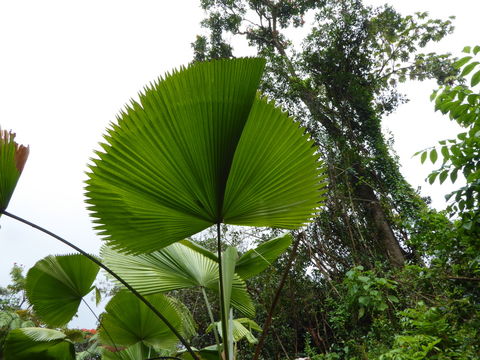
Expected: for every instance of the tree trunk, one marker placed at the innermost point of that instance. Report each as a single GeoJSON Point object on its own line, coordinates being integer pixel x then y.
{"type": "Point", "coordinates": [384, 232]}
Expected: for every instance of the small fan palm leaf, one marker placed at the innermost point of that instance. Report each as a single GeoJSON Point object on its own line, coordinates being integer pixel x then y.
{"type": "Point", "coordinates": [56, 285]}
{"type": "Point", "coordinates": [172, 268]}
{"type": "Point", "coordinates": [127, 321]}
{"type": "Point", "coordinates": [38, 344]}
{"type": "Point", "coordinates": [200, 148]}
{"type": "Point", "coordinates": [12, 161]}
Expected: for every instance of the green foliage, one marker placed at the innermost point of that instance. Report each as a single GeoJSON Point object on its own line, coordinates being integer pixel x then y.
{"type": "Point", "coordinates": [361, 314]}
{"type": "Point", "coordinates": [256, 260]}
{"type": "Point", "coordinates": [241, 328]}
{"type": "Point", "coordinates": [416, 347]}
{"type": "Point", "coordinates": [448, 246]}
{"type": "Point", "coordinates": [200, 148]}
{"type": "Point", "coordinates": [367, 293]}
{"type": "Point", "coordinates": [13, 296]}
{"type": "Point", "coordinates": [69, 277]}
{"type": "Point", "coordinates": [313, 355]}
{"type": "Point", "coordinates": [435, 333]}
{"type": "Point", "coordinates": [87, 346]}
{"type": "Point", "coordinates": [127, 321]}
{"type": "Point", "coordinates": [137, 351]}
{"type": "Point", "coordinates": [428, 317]}
{"type": "Point", "coordinates": [12, 161]}
{"type": "Point", "coordinates": [12, 299]}
{"type": "Point", "coordinates": [460, 155]}
{"type": "Point", "coordinates": [38, 344]}
{"type": "Point", "coordinates": [174, 267]}
{"type": "Point", "coordinates": [165, 174]}
{"type": "Point", "coordinates": [340, 80]}
{"type": "Point", "coordinates": [222, 157]}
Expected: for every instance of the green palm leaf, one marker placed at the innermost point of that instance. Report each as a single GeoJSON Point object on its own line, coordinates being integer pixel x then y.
{"type": "Point", "coordinates": [198, 248]}
{"type": "Point", "coordinates": [256, 260]}
{"type": "Point", "coordinates": [38, 344]}
{"type": "Point", "coordinates": [207, 353]}
{"type": "Point", "coordinates": [242, 329]}
{"type": "Point", "coordinates": [172, 268]}
{"type": "Point", "coordinates": [189, 326]}
{"type": "Point", "coordinates": [135, 352]}
{"type": "Point", "coordinates": [229, 259]}
{"type": "Point", "coordinates": [201, 148]}
{"type": "Point", "coordinates": [275, 178]}
{"type": "Point", "coordinates": [56, 285]}
{"type": "Point", "coordinates": [127, 321]}
{"type": "Point", "coordinates": [12, 161]}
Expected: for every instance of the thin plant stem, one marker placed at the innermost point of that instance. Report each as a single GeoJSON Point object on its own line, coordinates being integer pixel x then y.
{"type": "Point", "coordinates": [223, 315]}
{"type": "Point", "coordinates": [111, 272]}
{"type": "Point", "coordinates": [100, 323]}
{"type": "Point", "coordinates": [212, 320]}
{"type": "Point", "coordinates": [276, 298]}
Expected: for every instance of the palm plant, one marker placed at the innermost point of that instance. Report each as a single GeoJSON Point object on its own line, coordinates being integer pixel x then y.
{"type": "Point", "coordinates": [185, 265]}
{"type": "Point", "coordinates": [202, 148]}
{"type": "Point", "coordinates": [55, 287]}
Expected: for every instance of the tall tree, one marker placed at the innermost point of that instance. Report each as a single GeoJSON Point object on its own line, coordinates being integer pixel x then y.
{"type": "Point", "coordinates": [339, 82]}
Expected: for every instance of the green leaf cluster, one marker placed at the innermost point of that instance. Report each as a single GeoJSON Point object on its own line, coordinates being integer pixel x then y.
{"type": "Point", "coordinates": [460, 155]}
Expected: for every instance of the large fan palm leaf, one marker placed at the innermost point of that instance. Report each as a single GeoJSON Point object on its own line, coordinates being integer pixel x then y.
{"type": "Point", "coordinates": [200, 148]}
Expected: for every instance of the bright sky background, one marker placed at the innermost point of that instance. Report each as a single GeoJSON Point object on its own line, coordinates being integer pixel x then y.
{"type": "Point", "coordinates": [67, 68]}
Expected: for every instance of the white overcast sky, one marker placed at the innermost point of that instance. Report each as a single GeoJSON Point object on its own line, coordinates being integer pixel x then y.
{"type": "Point", "coordinates": [67, 67]}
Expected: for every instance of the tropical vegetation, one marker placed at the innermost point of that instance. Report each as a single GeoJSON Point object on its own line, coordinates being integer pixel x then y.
{"type": "Point", "coordinates": [197, 181]}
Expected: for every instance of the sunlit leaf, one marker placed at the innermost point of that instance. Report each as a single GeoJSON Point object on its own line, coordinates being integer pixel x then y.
{"type": "Point", "coordinates": [433, 156]}
{"type": "Point", "coordinates": [468, 69]}
{"type": "Point", "coordinates": [443, 176]}
{"type": "Point", "coordinates": [200, 148]}
{"type": "Point", "coordinates": [453, 176]}
{"type": "Point", "coordinates": [475, 79]}
{"type": "Point", "coordinates": [172, 268]}
{"type": "Point", "coordinates": [459, 63]}
{"type": "Point", "coordinates": [423, 157]}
